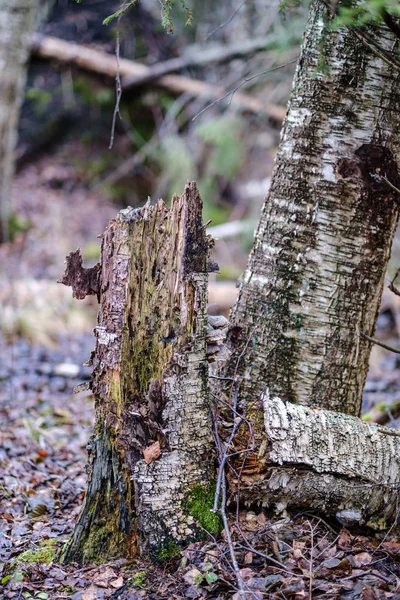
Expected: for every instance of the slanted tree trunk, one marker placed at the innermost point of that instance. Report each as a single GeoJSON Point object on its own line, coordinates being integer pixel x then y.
{"type": "Point", "coordinates": [315, 274]}
{"type": "Point", "coordinates": [17, 20]}
{"type": "Point", "coordinates": [152, 445]}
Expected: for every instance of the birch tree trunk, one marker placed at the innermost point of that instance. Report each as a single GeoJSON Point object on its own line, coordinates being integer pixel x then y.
{"type": "Point", "coordinates": [315, 274]}
{"type": "Point", "coordinates": [17, 20]}
{"type": "Point", "coordinates": [152, 446]}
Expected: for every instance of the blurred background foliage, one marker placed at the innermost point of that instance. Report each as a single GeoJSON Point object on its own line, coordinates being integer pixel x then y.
{"type": "Point", "coordinates": [69, 183]}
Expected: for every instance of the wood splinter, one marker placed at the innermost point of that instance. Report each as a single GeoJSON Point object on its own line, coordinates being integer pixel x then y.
{"type": "Point", "coordinates": [84, 282]}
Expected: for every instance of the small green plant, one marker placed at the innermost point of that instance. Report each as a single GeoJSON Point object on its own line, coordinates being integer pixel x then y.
{"type": "Point", "coordinates": [208, 576]}
{"type": "Point", "coordinates": [69, 589]}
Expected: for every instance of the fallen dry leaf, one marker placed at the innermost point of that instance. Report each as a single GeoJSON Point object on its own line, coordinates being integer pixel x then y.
{"type": "Point", "coordinates": [152, 452]}
{"type": "Point", "coordinates": [117, 583]}
{"type": "Point", "coordinates": [362, 559]}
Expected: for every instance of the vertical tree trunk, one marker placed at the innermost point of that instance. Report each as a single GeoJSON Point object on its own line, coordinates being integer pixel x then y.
{"type": "Point", "coordinates": [17, 20]}
{"type": "Point", "coordinates": [152, 446]}
{"type": "Point", "coordinates": [315, 274]}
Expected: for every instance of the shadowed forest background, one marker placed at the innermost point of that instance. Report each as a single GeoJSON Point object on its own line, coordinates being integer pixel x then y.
{"type": "Point", "coordinates": [67, 187]}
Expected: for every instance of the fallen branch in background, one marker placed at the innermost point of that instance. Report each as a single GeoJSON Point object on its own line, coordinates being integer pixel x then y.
{"type": "Point", "coordinates": [103, 63]}
{"type": "Point", "coordinates": [198, 57]}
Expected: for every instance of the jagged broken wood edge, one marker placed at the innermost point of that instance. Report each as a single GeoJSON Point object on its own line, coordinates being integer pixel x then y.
{"type": "Point", "coordinates": [83, 281]}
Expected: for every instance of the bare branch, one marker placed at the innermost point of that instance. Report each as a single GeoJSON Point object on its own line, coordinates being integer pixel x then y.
{"type": "Point", "coordinates": [232, 92]}
{"type": "Point", "coordinates": [226, 22]}
{"type": "Point", "coordinates": [378, 343]}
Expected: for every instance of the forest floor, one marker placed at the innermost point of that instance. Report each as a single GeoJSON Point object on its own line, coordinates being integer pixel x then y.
{"type": "Point", "coordinates": [45, 340]}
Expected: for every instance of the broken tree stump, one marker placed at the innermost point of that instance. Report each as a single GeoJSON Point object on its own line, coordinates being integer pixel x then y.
{"type": "Point", "coordinates": [152, 444]}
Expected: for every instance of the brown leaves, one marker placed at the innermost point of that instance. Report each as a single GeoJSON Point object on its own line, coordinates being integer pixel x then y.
{"type": "Point", "coordinates": [152, 452]}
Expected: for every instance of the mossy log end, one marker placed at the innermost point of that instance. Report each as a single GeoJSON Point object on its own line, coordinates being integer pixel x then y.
{"type": "Point", "coordinates": [150, 384]}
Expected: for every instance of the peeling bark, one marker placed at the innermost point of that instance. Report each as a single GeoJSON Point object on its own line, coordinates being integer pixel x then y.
{"type": "Point", "coordinates": [315, 274]}
{"type": "Point", "coordinates": [149, 383]}
{"type": "Point", "coordinates": [318, 459]}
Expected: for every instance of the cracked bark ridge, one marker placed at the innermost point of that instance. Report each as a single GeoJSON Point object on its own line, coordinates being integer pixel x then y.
{"type": "Point", "coordinates": [84, 282]}
{"type": "Point", "coordinates": [149, 382]}
{"type": "Point", "coordinates": [315, 274]}
{"type": "Point", "coordinates": [330, 462]}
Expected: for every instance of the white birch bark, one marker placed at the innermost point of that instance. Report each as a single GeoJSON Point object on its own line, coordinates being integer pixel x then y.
{"type": "Point", "coordinates": [17, 20]}
{"type": "Point", "coordinates": [315, 274]}
{"type": "Point", "coordinates": [319, 459]}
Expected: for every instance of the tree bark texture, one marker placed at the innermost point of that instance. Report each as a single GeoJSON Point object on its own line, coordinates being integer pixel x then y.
{"type": "Point", "coordinates": [330, 462]}
{"type": "Point", "coordinates": [17, 20]}
{"type": "Point", "coordinates": [152, 443]}
{"type": "Point", "coordinates": [315, 274]}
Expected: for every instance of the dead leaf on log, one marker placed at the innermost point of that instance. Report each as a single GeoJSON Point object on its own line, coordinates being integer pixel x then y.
{"type": "Point", "coordinates": [152, 452]}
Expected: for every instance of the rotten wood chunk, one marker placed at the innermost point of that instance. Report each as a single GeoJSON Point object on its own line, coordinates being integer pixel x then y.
{"type": "Point", "coordinates": [84, 282]}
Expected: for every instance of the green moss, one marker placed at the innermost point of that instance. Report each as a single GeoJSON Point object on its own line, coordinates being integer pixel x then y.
{"type": "Point", "coordinates": [139, 578]}
{"type": "Point", "coordinates": [377, 524]}
{"type": "Point", "coordinates": [168, 551]}
{"type": "Point", "coordinates": [5, 579]}
{"type": "Point", "coordinates": [199, 504]}
{"type": "Point", "coordinates": [44, 553]}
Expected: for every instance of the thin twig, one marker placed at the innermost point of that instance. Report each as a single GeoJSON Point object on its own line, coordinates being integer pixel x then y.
{"type": "Point", "coordinates": [118, 88]}
{"type": "Point", "coordinates": [378, 343]}
{"type": "Point", "coordinates": [242, 83]}
{"type": "Point", "coordinates": [371, 44]}
{"type": "Point", "coordinates": [226, 22]}
{"type": "Point", "coordinates": [223, 458]}
{"type": "Point", "coordinates": [390, 184]}
{"type": "Point", "coordinates": [311, 559]}
{"type": "Point", "coordinates": [235, 565]}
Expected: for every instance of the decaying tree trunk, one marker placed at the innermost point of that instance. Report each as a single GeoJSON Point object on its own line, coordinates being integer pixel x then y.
{"type": "Point", "coordinates": [17, 19]}
{"type": "Point", "coordinates": [315, 275]}
{"type": "Point", "coordinates": [152, 444]}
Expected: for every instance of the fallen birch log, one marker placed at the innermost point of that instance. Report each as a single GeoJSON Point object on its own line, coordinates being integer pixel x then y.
{"type": "Point", "coordinates": [326, 461]}
{"type": "Point", "coordinates": [105, 64]}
